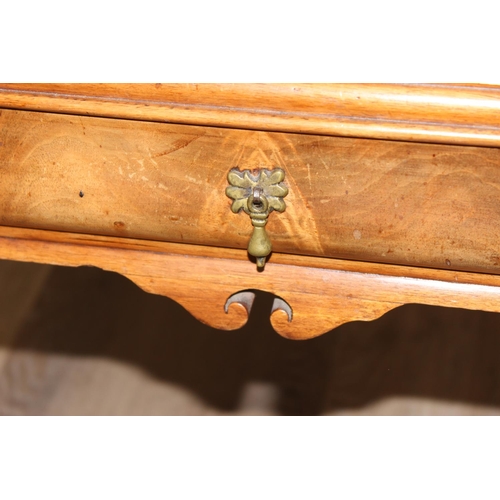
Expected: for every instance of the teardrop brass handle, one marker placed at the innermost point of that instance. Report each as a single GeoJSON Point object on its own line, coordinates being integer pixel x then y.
{"type": "Point", "coordinates": [257, 194]}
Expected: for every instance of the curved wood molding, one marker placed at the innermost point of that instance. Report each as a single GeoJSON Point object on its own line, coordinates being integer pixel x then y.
{"type": "Point", "coordinates": [322, 293]}
{"type": "Point", "coordinates": [451, 114]}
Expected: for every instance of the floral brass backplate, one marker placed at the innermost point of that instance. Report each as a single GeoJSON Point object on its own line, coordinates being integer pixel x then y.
{"type": "Point", "coordinates": [257, 194]}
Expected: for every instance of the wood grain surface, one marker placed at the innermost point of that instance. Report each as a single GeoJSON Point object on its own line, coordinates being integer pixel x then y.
{"type": "Point", "coordinates": [393, 202]}
{"type": "Point", "coordinates": [443, 113]}
{"type": "Point", "coordinates": [202, 280]}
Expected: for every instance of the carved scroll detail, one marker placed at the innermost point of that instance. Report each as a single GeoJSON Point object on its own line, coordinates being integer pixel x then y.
{"type": "Point", "coordinates": [313, 295]}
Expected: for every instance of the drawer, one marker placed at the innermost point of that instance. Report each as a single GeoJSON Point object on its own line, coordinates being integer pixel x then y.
{"type": "Point", "coordinates": [381, 201]}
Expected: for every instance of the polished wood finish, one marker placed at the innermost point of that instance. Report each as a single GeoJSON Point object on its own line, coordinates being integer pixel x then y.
{"type": "Point", "coordinates": [379, 201]}
{"type": "Point", "coordinates": [372, 221]}
{"type": "Point", "coordinates": [451, 114]}
{"type": "Point", "coordinates": [202, 279]}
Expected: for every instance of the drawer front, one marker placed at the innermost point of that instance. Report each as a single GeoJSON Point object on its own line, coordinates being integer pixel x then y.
{"type": "Point", "coordinates": [381, 201]}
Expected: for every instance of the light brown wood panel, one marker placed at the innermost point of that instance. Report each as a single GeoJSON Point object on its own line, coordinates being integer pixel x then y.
{"type": "Point", "coordinates": [452, 113]}
{"type": "Point", "coordinates": [201, 279]}
{"type": "Point", "coordinates": [395, 202]}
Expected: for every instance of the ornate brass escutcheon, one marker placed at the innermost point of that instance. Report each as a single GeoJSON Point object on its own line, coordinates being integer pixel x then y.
{"type": "Point", "coordinates": [257, 194]}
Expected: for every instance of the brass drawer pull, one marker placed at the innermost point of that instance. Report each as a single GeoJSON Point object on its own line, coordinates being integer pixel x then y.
{"type": "Point", "coordinates": [257, 194]}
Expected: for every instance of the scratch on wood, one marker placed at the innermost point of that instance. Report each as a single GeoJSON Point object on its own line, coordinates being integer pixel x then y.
{"type": "Point", "coordinates": [152, 160]}
{"type": "Point", "coordinates": [193, 179]}
{"type": "Point", "coordinates": [309, 175]}
{"type": "Point", "coordinates": [176, 146]}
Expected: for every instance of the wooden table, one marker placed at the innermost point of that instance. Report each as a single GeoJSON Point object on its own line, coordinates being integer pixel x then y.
{"type": "Point", "coordinates": [392, 193]}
